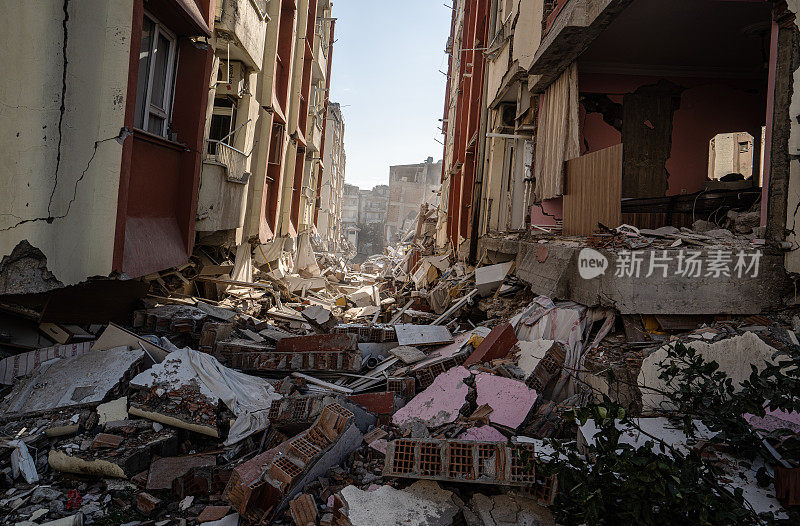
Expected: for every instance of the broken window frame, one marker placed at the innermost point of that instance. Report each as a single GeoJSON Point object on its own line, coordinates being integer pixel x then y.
{"type": "Point", "coordinates": [146, 108]}
{"type": "Point", "coordinates": [220, 111]}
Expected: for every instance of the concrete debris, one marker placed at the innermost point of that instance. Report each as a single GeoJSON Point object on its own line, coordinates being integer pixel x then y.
{"type": "Point", "coordinates": [509, 510]}
{"type": "Point", "coordinates": [422, 335]}
{"type": "Point", "coordinates": [490, 277]}
{"type": "Point", "coordinates": [83, 379]}
{"type": "Point", "coordinates": [186, 389]}
{"type": "Point", "coordinates": [438, 404]}
{"type": "Point", "coordinates": [510, 400]}
{"type": "Point", "coordinates": [735, 356]}
{"type": "Point", "coordinates": [407, 354]}
{"type": "Point", "coordinates": [279, 384]}
{"type": "Point", "coordinates": [423, 503]}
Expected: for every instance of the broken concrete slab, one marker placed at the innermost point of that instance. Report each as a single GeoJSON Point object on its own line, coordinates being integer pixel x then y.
{"type": "Point", "coordinates": [116, 336]}
{"type": "Point", "coordinates": [363, 297]}
{"type": "Point", "coordinates": [113, 411]}
{"type": "Point", "coordinates": [438, 404]}
{"type": "Point", "coordinates": [199, 383]}
{"type": "Point", "coordinates": [775, 419]}
{"type": "Point", "coordinates": [489, 278]}
{"type": "Point", "coordinates": [510, 510]}
{"type": "Point", "coordinates": [659, 427]}
{"type": "Point", "coordinates": [22, 364]}
{"type": "Point", "coordinates": [423, 503]}
{"type": "Point", "coordinates": [530, 353]}
{"type": "Point", "coordinates": [734, 355]}
{"type": "Point", "coordinates": [412, 335]}
{"type": "Point", "coordinates": [407, 354]}
{"type": "Point", "coordinates": [496, 345]}
{"type": "Point", "coordinates": [510, 400]}
{"type": "Point", "coordinates": [483, 434]}
{"type": "Point", "coordinates": [84, 379]}
{"type": "Point", "coordinates": [320, 318]}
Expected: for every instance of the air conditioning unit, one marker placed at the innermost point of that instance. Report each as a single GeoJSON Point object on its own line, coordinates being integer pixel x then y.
{"type": "Point", "coordinates": [508, 114]}
{"type": "Point", "coordinates": [230, 80]}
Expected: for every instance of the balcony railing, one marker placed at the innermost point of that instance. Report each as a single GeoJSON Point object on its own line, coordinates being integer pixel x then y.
{"type": "Point", "coordinates": [235, 161]}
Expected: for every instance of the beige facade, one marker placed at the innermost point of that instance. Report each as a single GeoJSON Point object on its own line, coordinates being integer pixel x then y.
{"type": "Point", "coordinates": [240, 29]}
{"type": "Point", "coordinates": [60, 162]}
{"type": "Point", "coordinates": [410, 185]}
{"type": "Point", "coordinates": [730, 153]}
{"type": "Point", "coordinates": [263, 158]}
{"type": "Point", "coordinates": [514, 35]}
{"type": "Point", "coordinates": [329, 221]}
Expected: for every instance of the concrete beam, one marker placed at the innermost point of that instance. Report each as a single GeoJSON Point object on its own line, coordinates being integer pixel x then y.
{"type": "Point", "coordinates": [574, 29]}
{"type": "Point", "coordinates": [554, 272]}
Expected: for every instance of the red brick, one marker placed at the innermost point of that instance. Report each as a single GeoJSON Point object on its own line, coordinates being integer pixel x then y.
{"type": "Point", "coordinates": [317, 342]}
{"type": "Point", "coordinates": [496, 345]}
{"type": "Point", "coordinates": [147, 503]}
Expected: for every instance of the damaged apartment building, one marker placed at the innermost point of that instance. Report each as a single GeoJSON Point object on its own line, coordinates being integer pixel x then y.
{"type": "Point", "coordinates": [567, 121]}
{"type": "Point", "coordinates": [135, 129]}
{"type": "Point", "coordinates": [265, 134]}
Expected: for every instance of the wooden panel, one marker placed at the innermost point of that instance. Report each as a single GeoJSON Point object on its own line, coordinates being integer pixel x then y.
{"type": "Point", "coordinates": [593, 191]}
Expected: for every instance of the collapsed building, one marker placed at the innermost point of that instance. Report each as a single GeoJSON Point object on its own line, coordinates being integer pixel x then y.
{"type": "Point", "coordinates": [603, 206]}
{"type": "Point", "coordinates": [558, 128]}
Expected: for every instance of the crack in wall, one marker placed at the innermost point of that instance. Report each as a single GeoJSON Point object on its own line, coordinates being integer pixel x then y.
{"type": "Point", "coordinates": [120, 137]}
{"type": "Point", "coordinates": [62, 108]}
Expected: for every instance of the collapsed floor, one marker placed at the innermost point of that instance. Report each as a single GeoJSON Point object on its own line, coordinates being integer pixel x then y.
{"type": "Point", "coordinates": [412, 389]}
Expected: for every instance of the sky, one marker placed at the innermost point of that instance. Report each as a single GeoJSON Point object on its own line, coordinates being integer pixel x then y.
{"type": "Point", "coordinates": [386, 61]}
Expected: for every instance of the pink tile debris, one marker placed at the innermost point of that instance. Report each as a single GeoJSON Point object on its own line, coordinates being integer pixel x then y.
{"type": "Point", "coordinates": [438, 404]}
{"type": "Point", "coordinates": [775, 419]}
{"type": "Point", "coordinates": [509, 399]}
{"type": "Point", "coordinates": [380, 445]}
{"type": "Point", "coordinates": [483, 434]}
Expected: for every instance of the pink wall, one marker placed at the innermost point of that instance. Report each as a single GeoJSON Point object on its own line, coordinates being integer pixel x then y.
{"type": "Point", "coordinates": [707, 107]}
{"type": "Point", "coordinates": [547, 212]}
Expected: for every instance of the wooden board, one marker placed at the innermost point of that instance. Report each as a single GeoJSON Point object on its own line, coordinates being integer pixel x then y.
{"type": "Point", "coordinates": [593, 191]}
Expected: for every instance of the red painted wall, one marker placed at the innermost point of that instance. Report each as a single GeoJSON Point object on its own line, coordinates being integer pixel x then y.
{"type": "Point", "coordinates": [707, 107]}
{"type": "Point", "coordinates": [159, 179]}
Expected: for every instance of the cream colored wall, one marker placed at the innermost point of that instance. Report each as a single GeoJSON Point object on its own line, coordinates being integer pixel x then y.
{"type": "Point", "coordinates": [529, 34]}
{"type": "Point", "coordinates": [263, 126]}
{"type": "Point", "coordinates": [79, 241]}
{"type": "Point", "coordinates": [495, 154]}
{"type": "Point", "coordinates": [441, 227]}
{"type": "Point", "coordinates": [792, 260]}
{"type": "Point", "coordinates": [289, 163]}
{"type": "Point", "coordinates": [495, 71]}
{"type": "Point", "coordinates": [240, 19]}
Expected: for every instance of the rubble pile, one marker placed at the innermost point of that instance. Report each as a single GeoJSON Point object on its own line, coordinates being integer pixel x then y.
{"type": "Point", "coordinates": [416, 389]}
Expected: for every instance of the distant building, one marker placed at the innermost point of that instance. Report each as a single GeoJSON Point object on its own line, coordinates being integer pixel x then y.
{"type": "Point", "coordinates": [410, 185]}
{"type": "Point", "coordinates": [329, 220]}
{"type": "Point", "coordinates": [372, 207]}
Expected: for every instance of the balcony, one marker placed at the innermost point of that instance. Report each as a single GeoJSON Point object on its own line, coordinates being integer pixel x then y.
{"type": "Point", "coordinates": [569, 30]}
{"type": "Point", "coordinates": [244, 23]}
{"type": "Point", "coordinates": [320, 65]}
